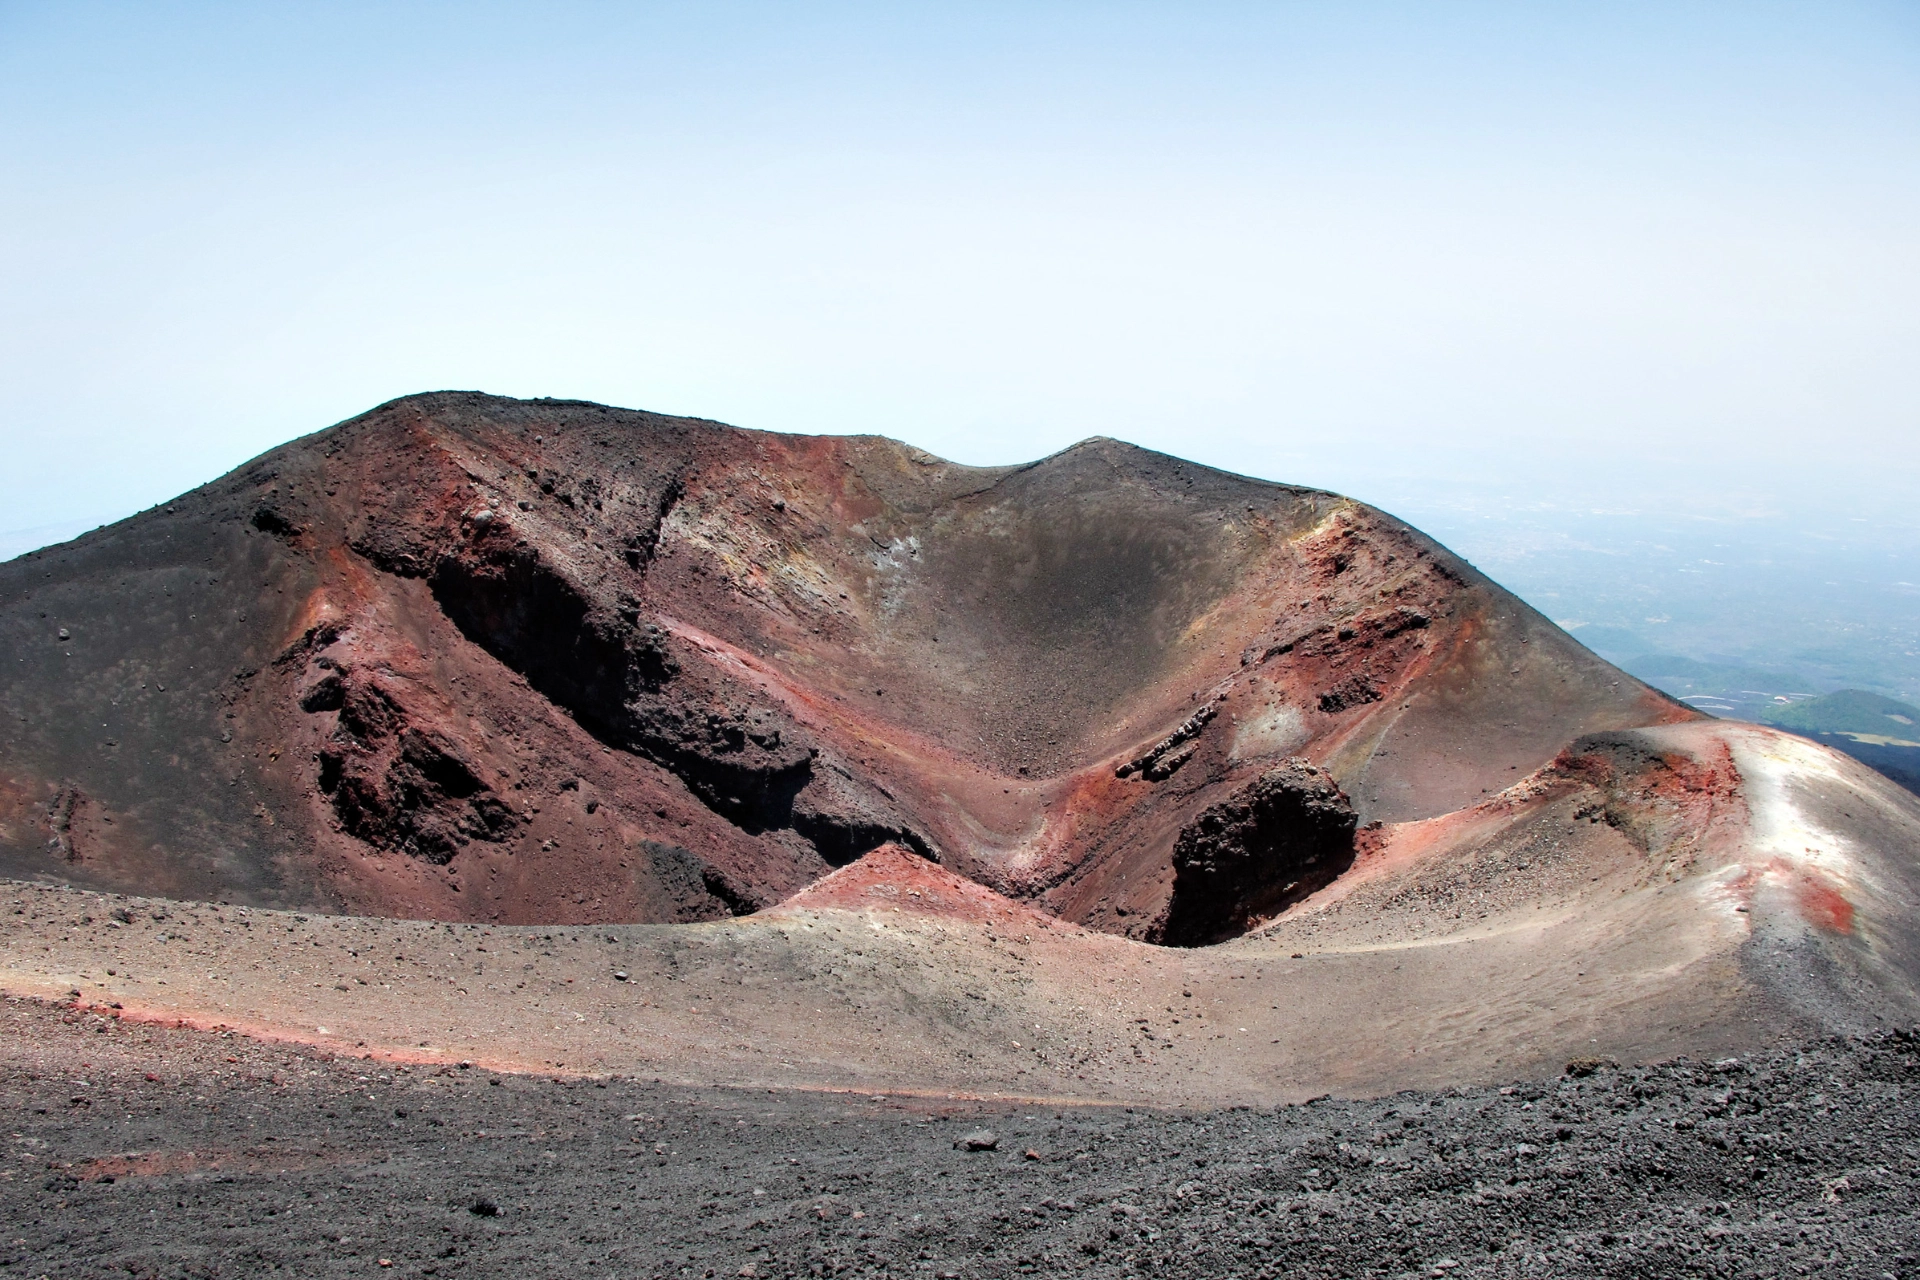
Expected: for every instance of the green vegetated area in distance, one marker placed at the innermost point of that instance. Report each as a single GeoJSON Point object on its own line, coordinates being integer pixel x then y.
{"type": "Point", "coordinates": [1719, 686]}
{"type": "Point", "coordinates": [1880, 732]}
{"type": "Point", "coordinates": [1850, 711]}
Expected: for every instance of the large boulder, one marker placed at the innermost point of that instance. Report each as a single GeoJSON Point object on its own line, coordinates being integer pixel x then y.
{"type": "Point", "coordinates": [1287, 833]}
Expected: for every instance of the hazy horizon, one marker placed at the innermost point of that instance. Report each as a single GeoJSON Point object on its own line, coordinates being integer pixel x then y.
{"type": "Point", "coordinates": [1500, 269]}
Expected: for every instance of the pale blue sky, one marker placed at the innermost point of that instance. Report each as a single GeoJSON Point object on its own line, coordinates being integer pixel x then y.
{"type": "Point", "coordinates": [1595, 252]}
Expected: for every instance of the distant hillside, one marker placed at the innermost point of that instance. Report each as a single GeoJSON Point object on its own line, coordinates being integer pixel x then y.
{"type": "Point", "coordinates": [1718, 685]}
{"type": "Point", "coordinates": [1850, 711]}
{"type": "Point", "coordinates": [1881, 733]}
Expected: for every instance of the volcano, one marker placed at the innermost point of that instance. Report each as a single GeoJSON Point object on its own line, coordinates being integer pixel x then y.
{"type": "Point", "coordinates": [480, 659]}
{"type": "Point", "coordinates": [548, 663]}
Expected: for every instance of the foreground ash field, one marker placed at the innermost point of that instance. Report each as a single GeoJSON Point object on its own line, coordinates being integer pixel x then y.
{"type": "Point", "coordinates": [585, 745]}
{"type": "Point", "coordinates": [173, 1153]}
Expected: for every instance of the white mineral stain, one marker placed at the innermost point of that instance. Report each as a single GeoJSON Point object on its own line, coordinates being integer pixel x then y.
{"type": "Point", "coordinates": [1272, 730]}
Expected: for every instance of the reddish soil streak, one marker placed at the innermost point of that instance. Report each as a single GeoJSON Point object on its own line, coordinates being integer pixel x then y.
{"type": "Point", "coordinates": [1822, 903]}
{"type": "Point", "coordinates": [895, 878]}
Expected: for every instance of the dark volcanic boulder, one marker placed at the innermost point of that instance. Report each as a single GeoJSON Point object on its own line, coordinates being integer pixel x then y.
{"type": "Point", "coordinates": [1286, 834]}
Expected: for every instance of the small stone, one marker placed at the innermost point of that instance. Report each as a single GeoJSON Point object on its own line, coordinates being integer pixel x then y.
{"type": "Point", "coordinates": [620, 975]}
{"type": "Point", "coordinates": [976, 1140]}
{"type": "Point", "coordinates": [65, 634]}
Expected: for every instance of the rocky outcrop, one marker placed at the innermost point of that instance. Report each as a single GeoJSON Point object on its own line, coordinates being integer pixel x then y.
{"type": "Point", "coordinates": [392, 783]}
{"type": "Point", "coordinates": [1162, 760]}
{"type": "Point", "coordinates": [590, 656]}
{"type": "Point", "coordinates": [1354, 691]}
{"type": "Point", "coordinates": [1288, 833]}
{"type": "Point", "coordinates": [591, 647]}
{"type": "Point", "coordinates": [66, 803]}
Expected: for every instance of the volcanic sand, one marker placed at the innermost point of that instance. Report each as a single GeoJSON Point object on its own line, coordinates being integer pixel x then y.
{"type": "Point", "coordinates": [179, 1154]}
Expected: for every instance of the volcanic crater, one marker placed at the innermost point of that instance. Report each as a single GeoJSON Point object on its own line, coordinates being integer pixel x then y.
{"type": "Point", "coordinates": [529, 664]}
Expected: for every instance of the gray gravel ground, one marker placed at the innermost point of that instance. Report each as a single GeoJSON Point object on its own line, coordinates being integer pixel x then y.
{"type": "Point", "coordinates": [139, 1151]}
